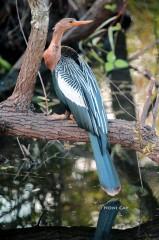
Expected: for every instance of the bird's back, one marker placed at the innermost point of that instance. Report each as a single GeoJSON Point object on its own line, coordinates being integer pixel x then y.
{"type": "Point", "coordinates": [77, 85]}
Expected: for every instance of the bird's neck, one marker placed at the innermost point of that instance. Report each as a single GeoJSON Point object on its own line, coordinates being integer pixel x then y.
{"type": "Point", "coordinates": [57, 37]}
{"type": "Point", "coordinates": [53, 53]}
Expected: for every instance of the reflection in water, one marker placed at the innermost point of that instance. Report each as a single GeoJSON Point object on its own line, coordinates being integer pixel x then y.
{"type": "Point", "coordinates": [56, 186]}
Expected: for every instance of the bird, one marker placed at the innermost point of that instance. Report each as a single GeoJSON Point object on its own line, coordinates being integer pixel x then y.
{"type": "Point", "coordinates": [76, 86]}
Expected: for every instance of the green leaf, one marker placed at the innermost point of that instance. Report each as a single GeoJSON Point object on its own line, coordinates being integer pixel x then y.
{"type": "Point", "coordinates": [4, 64]}
{"type": "Point", "coordinates": [111, 57]}
{"type": "Point", "coordinates": [117, 27]}
{"type": "Point", "coordinates": [111, 7]}
{"type": "Point", "coordinates": [109, 66]}
{"type": "Point", "coordinates": [120, 63]}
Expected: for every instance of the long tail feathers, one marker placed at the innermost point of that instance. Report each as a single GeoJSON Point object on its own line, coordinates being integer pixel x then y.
{"type": "Point", "coordinates": [107, 174]}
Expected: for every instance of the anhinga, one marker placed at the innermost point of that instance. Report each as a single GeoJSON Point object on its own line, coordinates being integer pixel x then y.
{"type": "Point", "coordinates": [77, 88]}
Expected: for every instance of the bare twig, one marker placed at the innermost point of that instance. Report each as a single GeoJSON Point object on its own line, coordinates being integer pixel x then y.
{"type": "Point", "coordinates": [145, 73]}
{"type": "Point", "coordinates": [148, 101]}
{"type": "Point", "coordinates": [151, 86]}
{"type": "Point", "coordinates": [73, 5]}
{"type": "Point", "coordinates": [155, 111]}
{"type": "Point", "coordinates": [141, 52]}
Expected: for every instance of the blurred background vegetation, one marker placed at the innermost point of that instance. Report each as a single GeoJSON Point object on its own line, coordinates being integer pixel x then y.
{"type": "Point", "coordinates": [55, 183]}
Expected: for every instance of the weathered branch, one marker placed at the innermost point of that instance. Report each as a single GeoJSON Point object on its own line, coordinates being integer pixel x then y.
{"type": "Point", "coordinates": [24, 88]}
{"type": "Point", "coordinates": [32, 125]}
{"type": "Point", "coordinates": [149, 230]}
{"type": "Point", "coordinates": [148, 101]}
{"type": "Point", "coordinates": [98, 13]}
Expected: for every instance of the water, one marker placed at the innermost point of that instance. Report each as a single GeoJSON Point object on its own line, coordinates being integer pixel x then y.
{"type": "Point", "coordinates": [54, 185]}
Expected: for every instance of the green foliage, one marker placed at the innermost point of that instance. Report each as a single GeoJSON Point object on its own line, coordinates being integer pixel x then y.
{"type": "Point", "coordinates": [114, 63]}
{"type": "Point", "coordinates": [4, 64]}
{"type": "Point", "coordinates": [120, 63]}
{"type": "Point", "coordinates": [40, 102]}
{"type": "Point", "coordinates": [109, 67]}
{"type": "Point", "coordinates": [111, 57]}
{"type": "Point", "coordinates": [111, 7]}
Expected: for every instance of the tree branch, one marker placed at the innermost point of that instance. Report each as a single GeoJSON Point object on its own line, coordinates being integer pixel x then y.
{"type": "Point", "coordinates": [23, 92]}
{"type": "Point", "coordinates": [32, 125]}
{"type": "Point", "coordinates": [98, 13]}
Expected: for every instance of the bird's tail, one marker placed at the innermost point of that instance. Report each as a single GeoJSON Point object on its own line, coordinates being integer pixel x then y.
{"type": "Point", "coordinates": [107, 174]}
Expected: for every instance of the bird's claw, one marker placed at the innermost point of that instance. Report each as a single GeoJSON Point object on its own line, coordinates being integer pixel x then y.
{"type": "Point", "coordinates": [56, 116]}
{"type": "Point", "coordinates": [71, 118]}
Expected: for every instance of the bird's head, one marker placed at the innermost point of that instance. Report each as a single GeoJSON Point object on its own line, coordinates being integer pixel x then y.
{"type": "Point", "coordinates": [68, 23]}
{"type": "Point", "coordinates": [52, 54]}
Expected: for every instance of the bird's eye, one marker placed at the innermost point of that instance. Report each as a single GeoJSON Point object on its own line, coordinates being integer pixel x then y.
{"type": "Point", "coordinates": [70, 21]}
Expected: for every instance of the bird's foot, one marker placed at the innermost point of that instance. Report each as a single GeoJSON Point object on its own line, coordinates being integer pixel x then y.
{"type": "Point", "coordinates": [56, 116]}
{"type": "Point", "coordinates": [66, 116]}
{"type": "Point", "coordinates": [71, 118]}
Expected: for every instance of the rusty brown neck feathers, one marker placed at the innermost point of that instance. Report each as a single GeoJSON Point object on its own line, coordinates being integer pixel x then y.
{"type": "Point", "coordinates": [53, 53]}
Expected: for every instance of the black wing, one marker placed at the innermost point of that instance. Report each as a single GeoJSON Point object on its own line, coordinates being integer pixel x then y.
{"type": "Point", "coordinates": [78, 89]}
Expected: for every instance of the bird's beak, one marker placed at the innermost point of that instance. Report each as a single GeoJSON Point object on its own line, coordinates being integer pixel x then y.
{"type": "Point", "coordinates": [80, 23]}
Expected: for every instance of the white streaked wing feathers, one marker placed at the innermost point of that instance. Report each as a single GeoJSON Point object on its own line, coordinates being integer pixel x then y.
{"type": "Point", "coordinates": [70, 92]}
{"type": "Point", "coordinates": [72, 80]}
